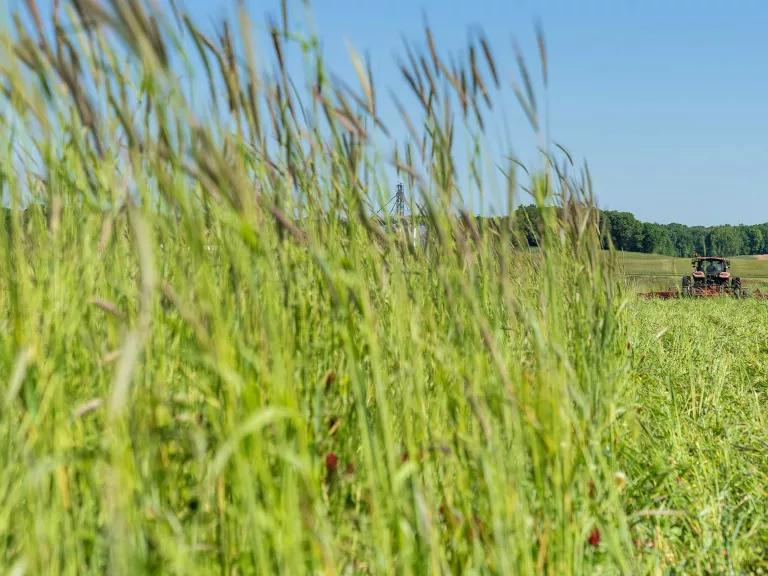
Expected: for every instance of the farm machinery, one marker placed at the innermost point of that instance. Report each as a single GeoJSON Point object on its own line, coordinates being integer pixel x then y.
{"type": "Point", "coordinates": [710, 276]}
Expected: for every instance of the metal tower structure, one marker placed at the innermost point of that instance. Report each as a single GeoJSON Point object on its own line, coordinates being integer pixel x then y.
{"type": "Point", "coordinates": [399, 207]}
{"type": "Point", "coordinates": [400, 221]}
{"type": "Point", "coordinates": [397, 203]}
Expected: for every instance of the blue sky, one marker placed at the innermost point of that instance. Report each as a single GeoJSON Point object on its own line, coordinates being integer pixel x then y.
{"type": "Point", "coordinates": [667, 100]}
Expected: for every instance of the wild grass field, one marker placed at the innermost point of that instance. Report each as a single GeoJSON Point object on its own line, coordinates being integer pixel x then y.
{"type": "Point", "coordinates": [217, 360]}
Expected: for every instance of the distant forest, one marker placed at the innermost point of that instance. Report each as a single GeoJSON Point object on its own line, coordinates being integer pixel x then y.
{"type": "Point", "coordinates": [628, 233]}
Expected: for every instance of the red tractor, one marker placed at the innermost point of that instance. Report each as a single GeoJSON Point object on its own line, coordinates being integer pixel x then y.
{"type": "Point", "coordinates": [710, 275]}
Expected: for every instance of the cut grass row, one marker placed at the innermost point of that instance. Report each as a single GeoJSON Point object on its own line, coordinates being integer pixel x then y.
{"type": "Point", "coordinates": [696, 452]}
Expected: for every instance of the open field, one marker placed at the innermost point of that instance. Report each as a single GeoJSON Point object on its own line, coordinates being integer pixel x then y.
{"type": "Point", "coordinates": [637, 264]}
{"type": "Point", "coordinates": [647, 272]}
{"type": "Point", "coordinates": [215, 360]}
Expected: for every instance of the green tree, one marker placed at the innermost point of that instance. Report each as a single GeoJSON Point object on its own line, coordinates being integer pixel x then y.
{"type": "Point", "coordinates": [755, 239]}
{"type": "Point", "coordinates": [656, 240]}
{"type": "Point", "coordinates": [726, 241]}
{"type": "Point", "coordinates": [625, 231]}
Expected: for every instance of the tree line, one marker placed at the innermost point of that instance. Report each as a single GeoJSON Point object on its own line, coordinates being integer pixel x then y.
{"type": "Point", "coordinates": [625, 232]}
{"type": "Point", "coordinates": [628, 233]}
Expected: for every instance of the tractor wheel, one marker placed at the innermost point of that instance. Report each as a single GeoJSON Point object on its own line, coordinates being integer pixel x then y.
{"type": "Point", "coordinates": [686, 285]}
{"type": "Point", "coordinates": [736, 287]}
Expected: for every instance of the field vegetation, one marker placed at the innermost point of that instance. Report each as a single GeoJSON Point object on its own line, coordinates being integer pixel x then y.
{"type": "Point", "coordinates": [216, 359]}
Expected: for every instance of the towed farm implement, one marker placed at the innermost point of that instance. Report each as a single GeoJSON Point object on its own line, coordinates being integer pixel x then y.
{"type": "Point", "coordinates": [710, 276]}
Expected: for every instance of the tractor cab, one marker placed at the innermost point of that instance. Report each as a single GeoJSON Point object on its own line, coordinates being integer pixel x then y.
{"type": "Point", "coordinates": [711, 268]}
{"type": "Point", "coordinates": [710, 273]}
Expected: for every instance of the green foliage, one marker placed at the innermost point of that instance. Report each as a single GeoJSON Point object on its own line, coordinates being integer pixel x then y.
{"type": "Point", "coordinates": [627, 233]}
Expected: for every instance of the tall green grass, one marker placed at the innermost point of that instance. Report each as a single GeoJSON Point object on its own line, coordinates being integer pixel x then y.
{"type": "Point", "coordinates": [217, 360]}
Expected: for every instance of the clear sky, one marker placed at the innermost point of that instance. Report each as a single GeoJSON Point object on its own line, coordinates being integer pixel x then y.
{"type": "Point", "coordinates": [667, 100]}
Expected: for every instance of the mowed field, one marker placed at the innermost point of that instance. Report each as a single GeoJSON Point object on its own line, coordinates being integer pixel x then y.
{"type": "Point", "coordinates": [697, 446]}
